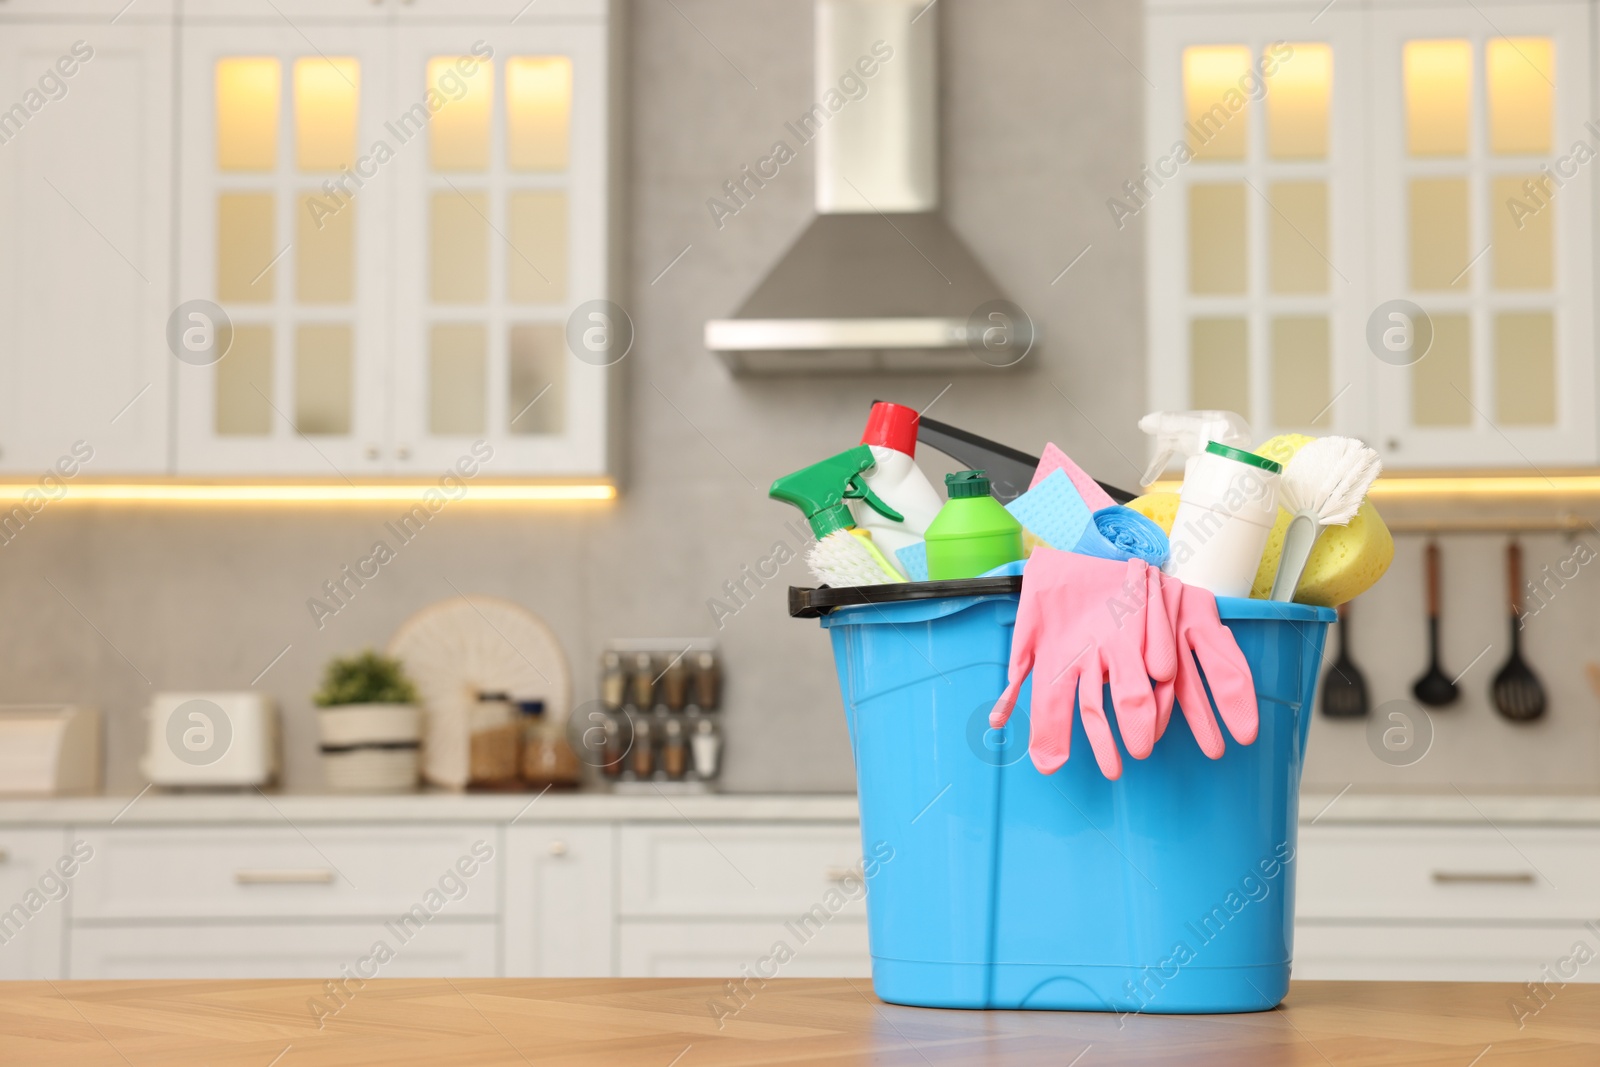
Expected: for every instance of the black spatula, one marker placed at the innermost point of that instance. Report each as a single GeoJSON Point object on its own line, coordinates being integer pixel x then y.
{"type": "Point", "coordinates": [1344, 690]}
{"type": "Point", "coordinates": [1435, 689]}
{"type": "Point", "coordinates": [1517, 693]}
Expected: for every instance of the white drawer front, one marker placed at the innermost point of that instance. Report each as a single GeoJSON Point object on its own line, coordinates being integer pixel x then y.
{"type": "Point", "coordinates": [733, 869]}
{"type": "Point", "coordinates": [263, 872]}
{"type": "Point", "coordinates": [39, 870]}
{"type": "Point", "coordinates": [1517, 874]}
{"type": "Point", "coordinates": [441, 949]}
{"type": "Point", "coordinates": [836, 949]}
{"type": "Point", "coordinates": [1391, 953]}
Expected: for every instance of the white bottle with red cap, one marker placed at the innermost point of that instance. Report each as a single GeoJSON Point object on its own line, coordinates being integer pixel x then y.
{"type": "Point", "coordinates": [897, 480]}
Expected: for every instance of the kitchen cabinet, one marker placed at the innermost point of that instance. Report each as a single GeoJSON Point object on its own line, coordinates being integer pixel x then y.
{"type": "Point", "coordinates": [399, 217]}
{"type": "Point", "coordinates": [560, 905]}
{"type": "Point", "coordinates": [85, 246]}
{"type": "Point", "coordinates": [33, 892]}
{"type": "Point", "coordinates": [1351, 228]}
{"type": "Point", "coordinates": [743, 948]}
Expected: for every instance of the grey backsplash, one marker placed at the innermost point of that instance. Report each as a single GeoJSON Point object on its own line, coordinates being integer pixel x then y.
{"type": "Point", "coordinates": [1042, 121]}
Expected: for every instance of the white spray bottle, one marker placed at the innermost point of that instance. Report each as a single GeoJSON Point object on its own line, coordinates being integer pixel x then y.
{"type": "Point", "coordinates": [897, 480]}
{"type": "Point", "coordinates": [1186, 434]}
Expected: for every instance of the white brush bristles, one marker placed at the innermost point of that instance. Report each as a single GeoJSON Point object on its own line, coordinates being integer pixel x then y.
{"type": "Point", "coordinates": [1329, 479]}
{"type": "Point", "coordinates": [839, 560]}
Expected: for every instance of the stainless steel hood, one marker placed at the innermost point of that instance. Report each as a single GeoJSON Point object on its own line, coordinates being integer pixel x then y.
{"type": "Point", "coordinates": [878, 280]}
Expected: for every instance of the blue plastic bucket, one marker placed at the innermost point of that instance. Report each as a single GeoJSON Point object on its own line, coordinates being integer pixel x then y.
{"type": "Point", "coordinates": [1170, 890]}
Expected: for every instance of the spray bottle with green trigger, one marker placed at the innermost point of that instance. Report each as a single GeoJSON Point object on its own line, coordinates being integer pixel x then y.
{"type": "Point", "coordinates": [843, 555]}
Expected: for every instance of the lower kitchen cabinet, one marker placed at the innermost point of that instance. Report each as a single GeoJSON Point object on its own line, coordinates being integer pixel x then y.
{"type": "Point", "coordinates": [37, 870]}
{"type": "Point", "coordinates": [373, 948]}
{"type": "Point", "coordinates": [1395, 952]}
{"type": "Point", "coordinates": [560, 901]}
{"type": "Point", "coordinates": [765, 948]}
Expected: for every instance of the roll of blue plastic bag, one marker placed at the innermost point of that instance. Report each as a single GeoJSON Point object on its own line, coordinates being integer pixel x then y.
{"type": "Point", "coordinates": [1121, 533]}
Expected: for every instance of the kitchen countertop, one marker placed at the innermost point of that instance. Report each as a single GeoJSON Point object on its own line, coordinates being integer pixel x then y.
{"type": "Point", "coordinates": [1352, 807]}
{"type": "Point", "coordinates": [669, 1023]}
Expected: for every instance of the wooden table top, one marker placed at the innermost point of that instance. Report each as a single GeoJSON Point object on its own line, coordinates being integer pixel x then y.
{"type": "Point", "coordinates": [670, 1023]}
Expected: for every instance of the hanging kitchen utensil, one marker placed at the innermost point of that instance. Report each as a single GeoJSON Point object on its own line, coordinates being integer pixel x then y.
{"type": "Point", "coordinates": [1592, 669]}
{"type": "Point", "coordinates": [1517, 692]}
{"type": "Point", "coordinates": [1344, 690]}
{"type": "Point", "coordinates": [1435, 689]}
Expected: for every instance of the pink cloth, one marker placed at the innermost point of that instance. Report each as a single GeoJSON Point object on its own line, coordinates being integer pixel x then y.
{"type": "Point", "coordinates": [1083, 624]}
{"type": "Point", "coordinates": [1200, 636]}
{"type": "Point", "coordinates": [1055, 459]}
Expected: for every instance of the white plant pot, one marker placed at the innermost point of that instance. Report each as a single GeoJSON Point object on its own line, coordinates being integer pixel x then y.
{"type": "Point", "coordinates": [370, 748]}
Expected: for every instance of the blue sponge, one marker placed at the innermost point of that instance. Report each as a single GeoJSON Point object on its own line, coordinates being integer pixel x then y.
{"type": "Point", "coordinates": [914, 558]}
{"type": "Point", "coordinates": [1053, 511]}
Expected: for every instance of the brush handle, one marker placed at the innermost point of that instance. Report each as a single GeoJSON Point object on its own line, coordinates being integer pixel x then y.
{"type": "Point", "coordinates": [1431, 559]}
{"type": "Point", "coordinates": [1297, 541]}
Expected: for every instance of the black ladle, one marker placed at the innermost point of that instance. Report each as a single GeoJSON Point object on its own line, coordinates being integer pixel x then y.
{"type": "Point", "coordinates": [1435, 689]}
{"type": "Point", "coordinates": [1517, 693]}
{"type": "Point", "coordinates": [1344, 690]}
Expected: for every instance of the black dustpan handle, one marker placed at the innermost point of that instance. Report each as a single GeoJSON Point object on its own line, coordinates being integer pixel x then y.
{"type": "Point", "coordinates": [1010, 470]}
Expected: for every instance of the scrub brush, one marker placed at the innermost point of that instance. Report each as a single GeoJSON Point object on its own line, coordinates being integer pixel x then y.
{"type": "Point", "coordinates": [1323, 485]}
{"type": "Point", "coordinates": [844, 555]}
{"type": "Point", "coordinates": [848, 557]}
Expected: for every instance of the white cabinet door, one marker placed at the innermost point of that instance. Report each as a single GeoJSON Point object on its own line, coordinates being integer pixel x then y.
{"type": "Point", "coordinates": [501, 232]}
{"type": "Point", "coordinates": [765, 948]}
{"type": "Point", "coordinates": [1375, 952]}
{"type": "Point", "coordinates": [283, 223]}
{"type": "Point", "coordinates": [85, 236]}
{"type": "Point", "coordinates": [34, 892]}
{"type": "Point", "coordinates": [441, 949]}
{"type": "Point", "coordinates": [1252, 202]}
{"type": "Point", "coordinates": [1474, 104]}
{"type": "Point", "coordinates": [560, 907]}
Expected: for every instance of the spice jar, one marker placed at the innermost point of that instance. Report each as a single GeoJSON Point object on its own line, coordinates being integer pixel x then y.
{"type": "Point", "coordinates": [547, 759]}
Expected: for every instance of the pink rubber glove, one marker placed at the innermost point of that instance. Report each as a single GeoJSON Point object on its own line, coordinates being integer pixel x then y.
{"type": "Point", "coordinates": [1199, 633]}
{"type": "Point", "coordinates": [1082, 623]}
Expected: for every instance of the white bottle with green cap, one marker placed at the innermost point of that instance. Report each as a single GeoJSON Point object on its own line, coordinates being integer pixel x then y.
{"type": "Point", "coordinates": [1226, 509]}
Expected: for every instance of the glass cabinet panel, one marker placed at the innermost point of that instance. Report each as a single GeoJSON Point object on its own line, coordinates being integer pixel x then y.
{"type": "Point", "coordinates": [244, 383]}
{"type": "Point", "coordinates": [1302, 371]}
{"type": "Point", "coordinates": [1297, 227]}
{"type": "Point", "coordinates": [1438, 85]}
{"type": "Point", "coordinates": [458, 376]}
{"type": "Point", "coordinates": [459, 237]}
{"type": "Point", "coordinates": [324, 379]}
{"type": "Point", "coordinates": [458, 132]}
{"type": "Point", "coordinates": [1525, 368]}
{"type": "Point", "coordinates": [247, 92]}
{"type": "Point", "coordinates": [1524, 240]}
{"type": "Point", "coordinates": [1441, 382]}
{"type": "Point", "coordinates": [245, 255]}
{"type": "Point", "coordinates": [538, 112]}
{"type": "Point", "coordinates": [1218, 111]}
{"type": "Point", "coordinates": [536, 256]}
{"type": "Point", "coordinates": [536, 399]}
{"type": "Point", "coordinates": [1219, 364]}
{"type": "Point", "coordinates": [1217, 249]}
{"type": "Point", "coordinates": [1440, 225]}
{"type": "Point", "coordinates": [326, 102]}
{"type": "Point", "coordinates": [1521, 79]}
{"type": "Point", "coordinates": [1298, 94]}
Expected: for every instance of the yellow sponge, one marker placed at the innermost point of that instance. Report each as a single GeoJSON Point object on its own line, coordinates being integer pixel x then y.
{"type": "Point", "coordinates": [1345, 562]}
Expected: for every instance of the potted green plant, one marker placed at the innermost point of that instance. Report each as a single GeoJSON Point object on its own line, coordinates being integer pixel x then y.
{"type": "Point", "coordinates": [369, 724]}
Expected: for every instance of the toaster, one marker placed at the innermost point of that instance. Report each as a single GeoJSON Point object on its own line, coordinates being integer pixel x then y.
{"type": "Point", "coordinates": [211, 739]}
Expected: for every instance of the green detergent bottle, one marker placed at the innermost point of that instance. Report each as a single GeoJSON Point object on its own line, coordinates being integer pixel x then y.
{"type": "Point", "coordinates": [972, 533]}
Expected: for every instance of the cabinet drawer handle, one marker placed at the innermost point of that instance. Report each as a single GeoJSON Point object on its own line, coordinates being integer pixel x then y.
{"type": "Point", "coordinates": [284, 876]}
{"type": "Point", "coordinates": [839, 874]}
{"type": "Point", "coordinates": [558, 848]}
{"type": "Point", "coordinates": [1483, 877]}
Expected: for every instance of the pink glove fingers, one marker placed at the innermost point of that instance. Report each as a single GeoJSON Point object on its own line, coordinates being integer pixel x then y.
{"type": "Point", "coordinates": [1050, 736]}
{"type": "Point", "coordinates": [1196, 707]}
{"type": "Point", "coordinates": [1160, 649]}
{"type": "Point", "coordinates": [1229, 677]}
{"type": "Point", "coordinates": [1024, 642]}
{"type": "Point", "coordinates": [1092, 706]}
{"type": "Point", "coordinates": [1134, 702]}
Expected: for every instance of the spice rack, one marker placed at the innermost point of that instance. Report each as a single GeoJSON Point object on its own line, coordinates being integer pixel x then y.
{"type": "Point", "coordinates": [656, 727]}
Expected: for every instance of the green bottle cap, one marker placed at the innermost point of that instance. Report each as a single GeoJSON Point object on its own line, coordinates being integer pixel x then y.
{"type": "Point", "coordinates": [1217, 448]}
{"type": "Point", "coordinates": [964, 484]}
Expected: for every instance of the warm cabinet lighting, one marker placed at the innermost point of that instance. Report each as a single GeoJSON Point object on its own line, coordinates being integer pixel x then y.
{"type": "Point", "coordinates": [459, 132]}
{"type": "Point", "coordinates": [247, 113]}
{"type": "Point", "coordinates": [326, 101]}
{"type": "Point", "coordinates": [1438, 80]}
{"type": "Point", "coordinates": [1297, 102]}
{"type": "Point", "coordinates": [313, 493]}
{"type": "Point", "coordinates": [538, 111]}
{"type": "Point", "coordinates": [1521, 75]}
{"type": "Point", "coordinates": [1217, 111]}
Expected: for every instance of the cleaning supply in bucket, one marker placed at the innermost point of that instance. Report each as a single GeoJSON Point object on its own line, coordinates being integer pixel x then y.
{"type": "Point", "coordinates": [1226, 509]}
{"type": "Point", "coordinates": [1204, 644]}
{"type": "Point", "coordinates": [972, 532]}
{"type": "Point", "coordinates": [1186, 434]}
{"type": "Point", "coordinates": [843, 555]}
{"type": "Point", "coordinates": [1053, 513]}
{"type": "Point", "coordinates": [1322, 486]}
{"type": "Point", "coordinates": [891, 433]}
{"type": "Point", "coordinates": [1084, 624]}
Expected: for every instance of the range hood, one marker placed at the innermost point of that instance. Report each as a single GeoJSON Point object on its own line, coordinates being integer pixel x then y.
{"type": "Point", "coordinates": [878, 280]}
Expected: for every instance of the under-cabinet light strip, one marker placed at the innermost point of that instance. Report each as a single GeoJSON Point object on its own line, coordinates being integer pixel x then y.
{"type": "Point", "coordinates": [245, 493]}
{"type": "Point", "coordinates": [1518, 486]}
